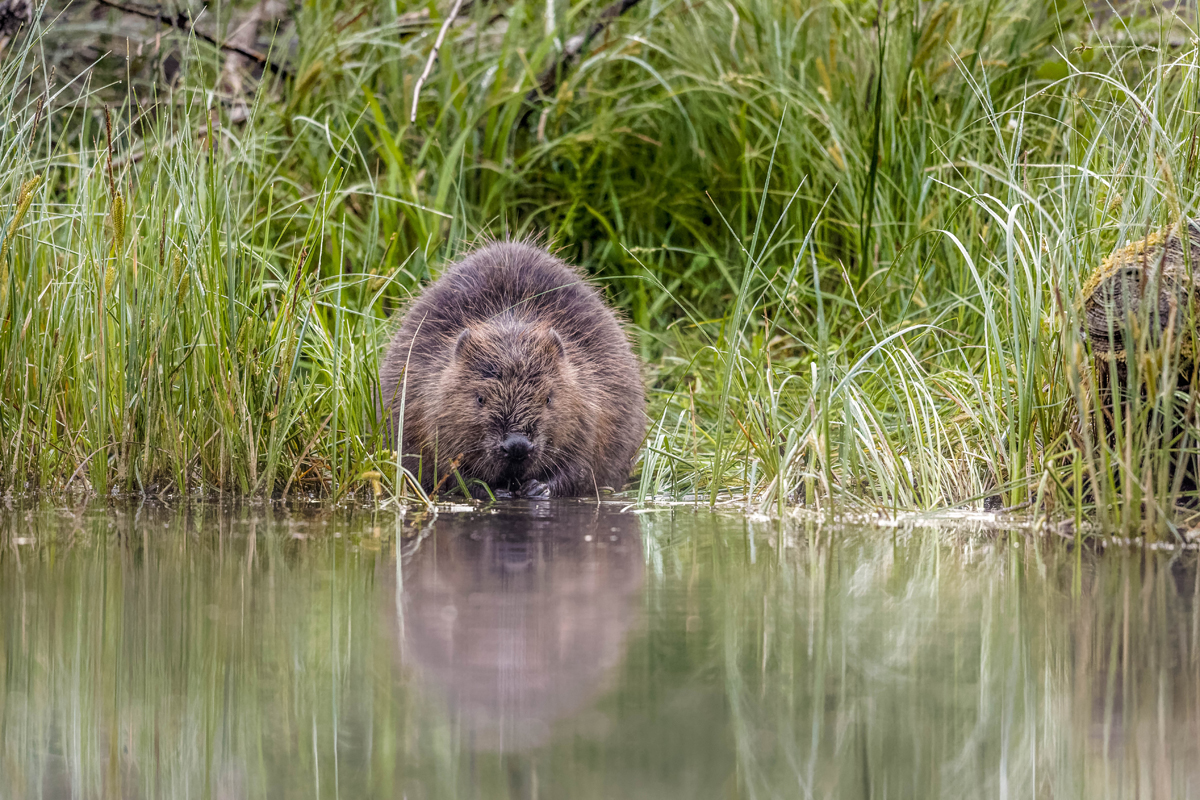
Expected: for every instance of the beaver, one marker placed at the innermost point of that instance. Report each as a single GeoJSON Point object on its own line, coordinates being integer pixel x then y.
{"type": "Point", "coordinates": [511, 371]}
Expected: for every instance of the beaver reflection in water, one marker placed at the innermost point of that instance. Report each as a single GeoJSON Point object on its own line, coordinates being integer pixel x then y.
{"type": "Point", "coordinates": [514, 621]}
{"type": "Point", "coordinates": [511, 370]}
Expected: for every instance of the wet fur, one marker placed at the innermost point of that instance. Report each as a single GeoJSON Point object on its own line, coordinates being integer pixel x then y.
{"type": "Point", "coordinates": [514, 327]}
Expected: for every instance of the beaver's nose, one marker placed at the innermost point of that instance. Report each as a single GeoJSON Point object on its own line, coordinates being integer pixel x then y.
{"type": "Point", "coordinates": [516, 447]}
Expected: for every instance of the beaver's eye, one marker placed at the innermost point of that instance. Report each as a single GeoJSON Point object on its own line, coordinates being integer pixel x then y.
{"type": "Point", "coordinates": [549, 398]}
{"type": "Point", "coordinates": [479, 397]}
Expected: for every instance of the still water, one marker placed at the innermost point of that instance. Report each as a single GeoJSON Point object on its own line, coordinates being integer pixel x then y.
{"type": "Point", "coordinates": [569, 650]}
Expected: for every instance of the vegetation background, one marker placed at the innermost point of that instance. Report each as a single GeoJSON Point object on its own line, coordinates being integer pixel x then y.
{"type": "Point", "coordinates": [850, 236]}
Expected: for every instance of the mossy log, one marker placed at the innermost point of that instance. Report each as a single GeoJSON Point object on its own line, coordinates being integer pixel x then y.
{"type": "Point", "coordinates": [1139, 313]}
{"type": "Point", "coordinates": [1149, 286]}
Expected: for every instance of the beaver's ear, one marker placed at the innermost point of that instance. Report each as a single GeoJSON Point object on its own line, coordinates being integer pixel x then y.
{"type": "Point", "coordinates": [463, 343]}
{"type": "Point", "coordinates": [553, 345]}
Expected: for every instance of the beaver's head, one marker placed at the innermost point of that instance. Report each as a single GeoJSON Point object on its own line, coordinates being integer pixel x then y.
{"type": "Point", "coordinates": [511, 409]}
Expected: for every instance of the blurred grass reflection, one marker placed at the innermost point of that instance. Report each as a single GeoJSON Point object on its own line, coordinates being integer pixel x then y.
{"type": "Point", "coordinates": [261, 651]}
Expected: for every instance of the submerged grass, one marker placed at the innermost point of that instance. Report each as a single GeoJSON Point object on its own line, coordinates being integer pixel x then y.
{"type": "Point", "coordinates": [851, 239]}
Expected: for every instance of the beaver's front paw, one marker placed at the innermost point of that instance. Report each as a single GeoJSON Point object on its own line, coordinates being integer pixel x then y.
{"type": "Point", "coordinates": [535, 490]}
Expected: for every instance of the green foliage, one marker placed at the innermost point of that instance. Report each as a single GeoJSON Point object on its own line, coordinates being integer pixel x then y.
{"type": "Point", "coordinates": [851, 241]}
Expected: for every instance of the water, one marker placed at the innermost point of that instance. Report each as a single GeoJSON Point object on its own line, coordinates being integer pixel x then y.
{"type": "Point", "coordinates": [567, 650]}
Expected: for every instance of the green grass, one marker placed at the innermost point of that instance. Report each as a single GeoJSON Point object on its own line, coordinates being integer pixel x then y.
{"type": "Point", "coordinates": [851, 244]}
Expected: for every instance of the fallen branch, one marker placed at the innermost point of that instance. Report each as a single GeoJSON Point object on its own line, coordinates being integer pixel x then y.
{"type": "Point", "coordinates": [437, 45]}
{"type": "Point", "coordinates": [548, 82]}
{"type": "Point", "coordinates": [183, 22]}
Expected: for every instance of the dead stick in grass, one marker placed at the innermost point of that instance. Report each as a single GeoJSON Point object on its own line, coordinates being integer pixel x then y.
{"type": "Point", "coordinates": [453, 469]}
{"type": "Point", "coordinates": [183, 22]}
{"type": "Point", "coordinates": [577, 44]}
{"type": "Point", "coordinates": [437, 45]}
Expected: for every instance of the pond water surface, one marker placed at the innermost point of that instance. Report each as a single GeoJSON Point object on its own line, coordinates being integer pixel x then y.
{"type": "Point", "coordinates": [575, 650]}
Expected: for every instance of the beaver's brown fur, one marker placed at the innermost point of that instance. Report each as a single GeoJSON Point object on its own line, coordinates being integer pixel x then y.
{"type": "Point", "coordinates": [512, 370]}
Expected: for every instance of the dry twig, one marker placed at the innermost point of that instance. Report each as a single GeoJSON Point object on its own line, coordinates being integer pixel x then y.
{"type": "Point", "coordinates": [183, 22]}
{"type": "Point", "coordinates": [453, 15]}
{"type": "Point", "coordinates": [577, 44]}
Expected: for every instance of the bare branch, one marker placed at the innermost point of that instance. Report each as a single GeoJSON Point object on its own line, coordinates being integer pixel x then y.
{"type": "Point", "coordinates": [183, 22]}
{"type": "Point", "coordinates": [441, 37]}
{"type": "Point", "coordinates": [577, 44]}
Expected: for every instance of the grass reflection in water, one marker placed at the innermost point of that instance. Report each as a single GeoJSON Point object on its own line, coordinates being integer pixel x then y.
{"type": "Point", "coordinates": [566, 649]}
